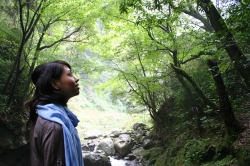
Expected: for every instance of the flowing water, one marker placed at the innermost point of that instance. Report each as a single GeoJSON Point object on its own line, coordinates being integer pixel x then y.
{"type": "Point", "coordinates": [121, 162]}
{"type": "Point", "coordinates": [115, 162]}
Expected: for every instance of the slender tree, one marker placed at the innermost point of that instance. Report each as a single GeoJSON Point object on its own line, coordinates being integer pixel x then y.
{"type": "Point", "coordinates": [227, 40]}
{"type": "Point", "coordinates": [225, 108]}
{"type": "Point", "coordinates": [27, 24]}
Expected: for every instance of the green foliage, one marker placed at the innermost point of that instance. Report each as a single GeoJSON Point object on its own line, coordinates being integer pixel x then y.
{"type": "Point", "coordinates": [196, 150]}
{"type": "Point", "coordinates": [12, 119]}
{"type": "Point", "coordinates": [225, 161]}
{"type": "Point", "coordinates": [14, 34]}
{"type": "Point", "coordinates": [152, 154]}
{"type": "Point", "coordinates": [184, 150]}
{"type": "Point", "coordinates": [241, 27]}
{"type": "Point", "coordinates": [242, 155]}
{"type": "Point", "coordinates": [127, 58]}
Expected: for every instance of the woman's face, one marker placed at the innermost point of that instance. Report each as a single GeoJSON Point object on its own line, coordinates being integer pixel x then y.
{"type": "Point", "coordinates": [67, 84]}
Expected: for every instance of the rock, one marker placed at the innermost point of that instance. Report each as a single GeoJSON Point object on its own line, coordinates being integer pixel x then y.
{"type": "Point", "coordinates": [91, 145]}
{"type": "Point", "coordinates": [148, 143]}
{"type": "Point", "coordinates": [123, 144]}
{"type": "Point", "coordinates": [107, 146]}
{"type": "Point", "coordinates": [16, 157]}
{"type": "Point", "coordinates": [131, 157]}
{"type": "Point", "coordinates": [85, 148]}
{"type": "Point", "coordinates": [115, 131]}
{"type": "Point", "coordinates": [137, 125]}
{"type": "Point", "coordinates": [96, 159]}
{"type": "Point", "coordinates": [138, 151]}
{"type": "Point", "coordinates": [93, 134]}
{"type": "Point", "coordinates": [141, 136]}
{"type": "Point", "coordinates": [128, 145]}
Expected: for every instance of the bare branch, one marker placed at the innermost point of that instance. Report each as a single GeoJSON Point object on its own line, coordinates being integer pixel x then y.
{"type": "Point", "coordinates": [197, 56]}
{"type": "Point", "coordinates": [62, 39]}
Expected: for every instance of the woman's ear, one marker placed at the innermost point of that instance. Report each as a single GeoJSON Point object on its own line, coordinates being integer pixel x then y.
{"type": "Point", "coordinates": [54, 84]}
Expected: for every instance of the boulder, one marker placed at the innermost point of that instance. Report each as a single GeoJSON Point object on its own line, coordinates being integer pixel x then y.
{"type": "Point", "coordinates": [106, 145]}
{"type": "Point", "coordinates": [93, 134]}
{"type": "Point", "coordinates": [137, 125]}
{"type": "Point", "coordinates": [123, 144]}
{"type": "Point", "coordinates": [96, 159]}
{"type": "Point", "coordinates": [148, 143]}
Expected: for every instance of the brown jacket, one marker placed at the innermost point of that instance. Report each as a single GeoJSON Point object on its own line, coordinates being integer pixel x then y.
{"type": "Point", "coordinates": [47, 146]}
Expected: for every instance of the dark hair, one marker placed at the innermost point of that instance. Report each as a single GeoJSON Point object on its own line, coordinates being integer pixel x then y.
{"type": "Point", "coordinates": [44, 92]}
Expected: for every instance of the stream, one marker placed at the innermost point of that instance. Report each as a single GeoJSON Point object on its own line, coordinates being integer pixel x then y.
{"type": "Point", "coordinates": [115, 162]}
{"type": "Point", "coordinates": [122, 162]}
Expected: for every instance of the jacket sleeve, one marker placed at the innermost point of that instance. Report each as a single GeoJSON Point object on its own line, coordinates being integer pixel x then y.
{"type": "Point", "coordinates": [53, 145]}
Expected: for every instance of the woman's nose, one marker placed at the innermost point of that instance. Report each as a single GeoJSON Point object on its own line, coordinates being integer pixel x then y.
{"type": "Point", "coordinates": [77, 79]}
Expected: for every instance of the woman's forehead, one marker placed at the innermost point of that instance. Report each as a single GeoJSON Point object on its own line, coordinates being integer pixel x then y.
{"type": "Point", "coordinates": [66, 68]}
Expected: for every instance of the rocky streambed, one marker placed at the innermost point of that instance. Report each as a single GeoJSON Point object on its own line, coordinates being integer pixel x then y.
{"type": "Point", "coordinates": [118, 147]}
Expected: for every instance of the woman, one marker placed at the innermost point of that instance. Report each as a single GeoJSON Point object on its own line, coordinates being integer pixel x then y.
{"type": "Point", "coordinates": [53, 137]}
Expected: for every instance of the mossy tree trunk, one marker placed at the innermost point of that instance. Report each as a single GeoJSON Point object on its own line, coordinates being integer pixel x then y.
{"type": "Point", "coordinates": [225, 109]}
{"type": "Point", "coordinates": [206, 100]}
{"type": "Point", "coordinates": [197, 110]}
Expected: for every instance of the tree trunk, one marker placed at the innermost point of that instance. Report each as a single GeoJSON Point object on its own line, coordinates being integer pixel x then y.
{"type": "Point", "coordinates": [26, 33]}
{"type": "Point", "coordinates": [18, 71]}
{"type": "Point", "coordinates": [196, 87]}
{"type": "Point", "coordinates": [241, 64]}
{"type": "Point", "coordinates": [197, 111]}
{"type": "Point", "coordinates": [225, 110]}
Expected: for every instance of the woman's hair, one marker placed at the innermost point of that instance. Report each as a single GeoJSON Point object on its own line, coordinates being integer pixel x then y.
{"type": "Point", "coordinates": [44, 92]}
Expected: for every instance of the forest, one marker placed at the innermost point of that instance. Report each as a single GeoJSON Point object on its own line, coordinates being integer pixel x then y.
{"type": "Point", "coordinates": [185, 62]}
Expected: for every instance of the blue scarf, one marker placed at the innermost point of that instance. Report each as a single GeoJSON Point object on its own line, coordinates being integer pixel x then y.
{"type": "Point", "coordinates": [62, 115]}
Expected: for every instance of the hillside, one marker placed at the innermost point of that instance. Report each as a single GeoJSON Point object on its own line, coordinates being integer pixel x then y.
{"type": "Point", "coordinates": [110, 117]}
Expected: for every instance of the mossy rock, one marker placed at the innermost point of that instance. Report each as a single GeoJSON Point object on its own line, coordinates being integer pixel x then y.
{"type": "Point", "coordinates": [166, 159]}
{"type": "Point", "coordinates": [222, 150]}
{"type": "Point", "coordinates": [173, 155]}
{"type": "Point", "coordinates": [243, 155]}
{"type": "Point", "coordinates": [195, 150]}
{"type": "Point", "coordinates": [152, 154]}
